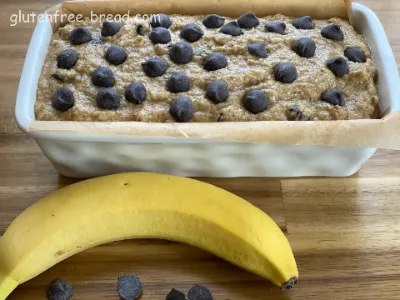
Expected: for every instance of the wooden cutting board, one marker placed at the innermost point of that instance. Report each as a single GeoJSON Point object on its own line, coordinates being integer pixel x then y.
{"type": "Point", "coordinates": [345, 232]}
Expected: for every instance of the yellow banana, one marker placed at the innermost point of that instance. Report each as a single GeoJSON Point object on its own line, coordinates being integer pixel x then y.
{"type": "Point", "coordinates": [143, 205]}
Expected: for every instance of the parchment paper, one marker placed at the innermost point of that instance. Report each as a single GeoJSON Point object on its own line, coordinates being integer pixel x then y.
{"type": "Point", "coordinates": [382, 133]}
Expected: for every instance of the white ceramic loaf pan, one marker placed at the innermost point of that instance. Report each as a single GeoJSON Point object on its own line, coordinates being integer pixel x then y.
{"type": "Point", "coordinates": [88, 155]}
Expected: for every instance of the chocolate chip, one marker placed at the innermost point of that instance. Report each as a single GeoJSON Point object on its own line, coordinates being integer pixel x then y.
{"type": "Point", "coordinates": [213, 21]}
{"type": "Point", "coordinates": [355, 54]}
{"type": "Point", "coordinates": [292, 113]}
{"type": "Point", "coordinates": [304, 47]}
{"type": "Point", "coordinates": [338, 66]}
{"type": "Point", "coordinates": [67, 59]}
{"type": "Point", "coordinates": [217, 91]}
{"type": "Point", "coordinates": [116, 55]}
{"type": "Point", "coordinates": [303, 23]}
{"type": "Point", "coordinates": [295, 114]}
{"type": "Point", "coordinates": [103, 77]}
{"type": "Point", "coordinates": [129, 287]}
{"type": "Point", "coordinates": [160, 20]}
{"type": "Point", "coordinates": [215, 61]}
{"type": "Point", "coordinates": [155, 66]}
{"type": "Point", "coordinates": [108, 98]}
{"type": "Point", "coordinates": [191, 32]}
{"type": "Point", "coordinates": [276, 26]}
{"type": "Point", "coordinates": [255, 101]}
{"type": "Point", "coordinates": [285, 72]}
{"type": "Point", "coordinates": [110, 28]}
{"type": "Point", "coordinates": [231, 28]}
{"type": "Point", "coordinates": [198, 292]}
{"type": "Point", "coordinates": [59, 289]}
{"type": "Point", "coordinates": [334, 97]}
{"type": "Point", "coordinates": [181, 53]}
{"type": "Point", "coordinates": [333, 32]}
{"type": "Point", "coordinates": [57, 77]}
{"type": "Point", "coordinates": [178, 83]}
{"type": "Point", "coordinates": [175, 295]}
{"type": "Point", "coordinates": [258, 49]}
{"type": "Point", "coordinates": [63, 99]}
{"type": "Point", "coordinates": [96, 42]}
{"type": "Point", "coordinates": [182, 109]}
{"type": "Point", "coordinates": [248, 20]}
{"type": "Point", "coordinates": [140, 29]}
{"type": "Point", "coordinates": [80, 35]}
{"type": "Point", "coordinates": [220, 117]}
{"type": "Point", "coordinates": [160, 35]}
{"type": "Point", "coordinates": [136, 93]}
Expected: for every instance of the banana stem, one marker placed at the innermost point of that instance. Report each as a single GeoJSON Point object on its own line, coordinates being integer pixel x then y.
{"type": "Point", "coordinates": [7, 285]}
{"type": "Point", "coordinates": [289, 285]}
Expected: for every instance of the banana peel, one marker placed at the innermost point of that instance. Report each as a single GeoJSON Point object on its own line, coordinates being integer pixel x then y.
{"type": "Point", "coordinates": [143, 205]}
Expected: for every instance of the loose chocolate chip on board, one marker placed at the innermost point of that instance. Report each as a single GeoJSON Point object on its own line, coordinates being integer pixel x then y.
{"type": "Point", "coordinates": [182, 109]}
{"type": "Point", "coordinates": [276, 26]}
{"type": "Point", "coordinates": [355, 54]}
{"type": "Point", "coordinates": [255, 101]}
{"type": "Point", "coordinates": [217, 91]}
{"type": "Point", "coordinates": [198, 292]}
{"type": "Point", "coordinates": [192, 32]}
{"type": "Point", "coordinates": [160, 20]}
{"type": "Point", "coordinates": [304, 47]}
{"type": "Point", "coordinates": [213, 21]}
{"type": "Point", "coordinates": [175, 295]}
{"type": "Point", "coordinates": [108, 98]}
{"type": "Point", "coordinates": [232, 28]}
{"type": "Point", "coordinates": [215, 61]}
{"type": "Point", "coordinates": [160, 35]}
{"type": "Point", "coordinates": [136, 93]}
{"type": "Point", "coordinates": [103, 77]}
{"type": "Point", "coordinates": [80, 35]}
{"type": "Point", "coordinates": [285, 72]}
{"type": "Point", "coordinates": [63, 99]}
{"type": "Point", "coordinates": [116, 55]}
{"type": "Point", "coordinates": [155, 66]}
{"type": "Point", "coordinates": [59, 289]}
{"type": "Point", "coordinates": [181, 53]}
{"type": "Point", "coordinates": [178, 83]}
{"type": "Point", "coordinates": [258, 49]}
{"type": "Point", "coordinates": [67, 59]}
{"type": "Point", "coordinates": [303, 23]}
{"type": "Point", "coordinates": [248, 20]}
{"type": "Point", "coordinates": [338, 66]}
{"type": "Point", "coordinates": [334, 97]}
{"type": "Point", "coordinates": [129, 287]}
{"type": "Point", "coordinates": [110, 28]}
{"type": "Point", "coordinates": [333, 32]}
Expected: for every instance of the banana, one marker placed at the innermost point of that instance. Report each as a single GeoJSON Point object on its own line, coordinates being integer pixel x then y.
{"type": "Point", "coordinates": [143, 205]}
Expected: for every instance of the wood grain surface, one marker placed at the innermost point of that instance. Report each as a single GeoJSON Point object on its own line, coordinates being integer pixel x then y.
{"type": "Point", "coordinates": [345, 232]}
